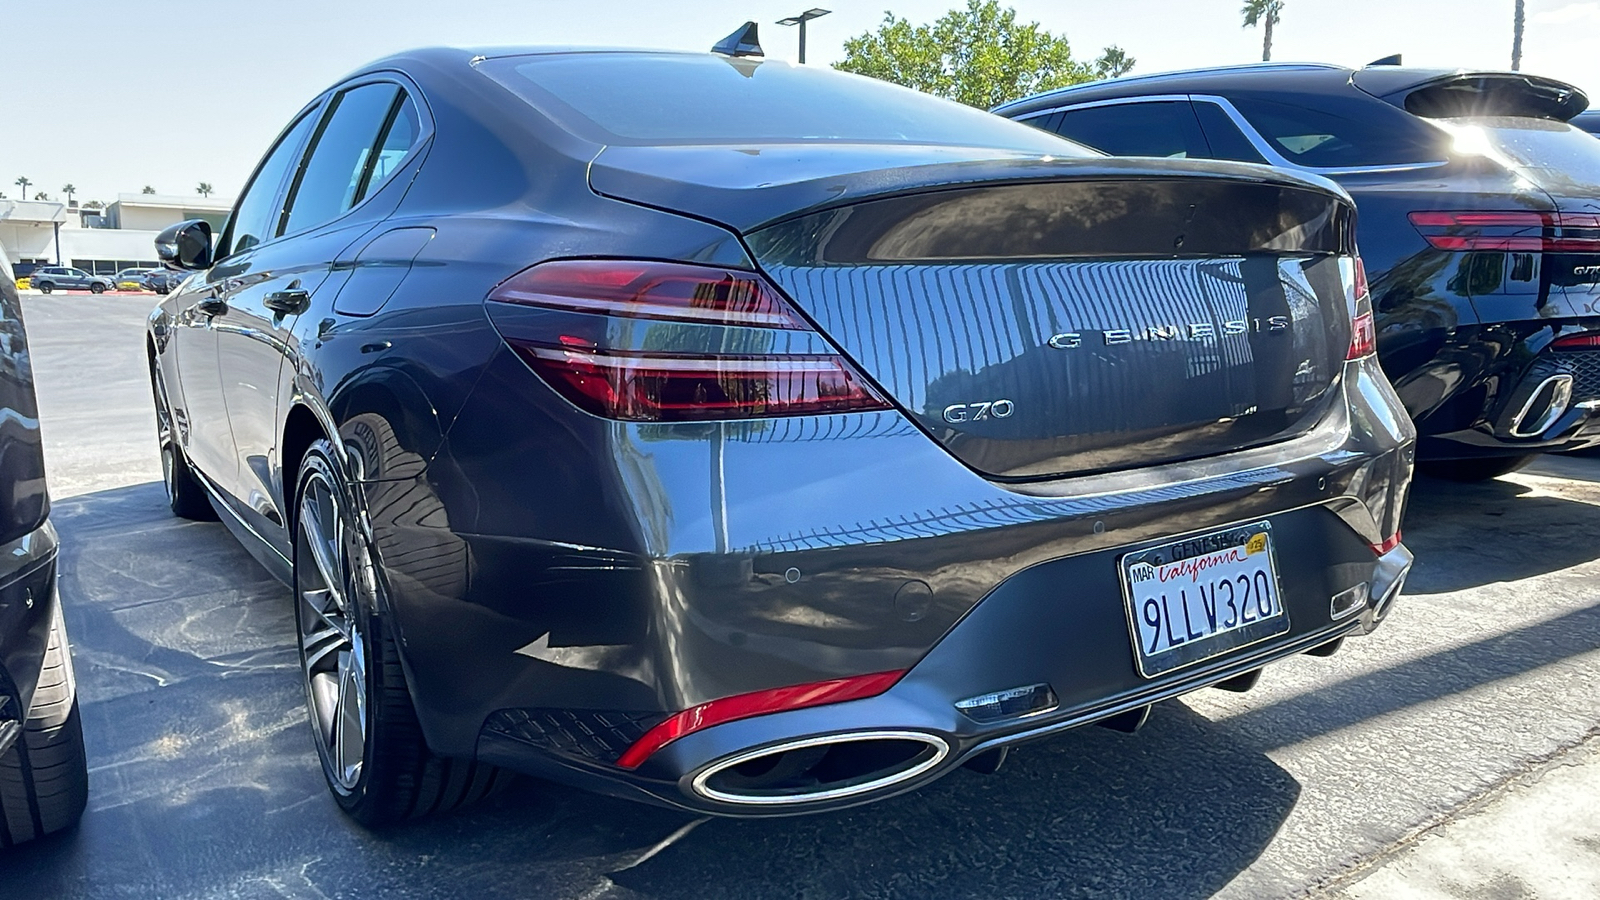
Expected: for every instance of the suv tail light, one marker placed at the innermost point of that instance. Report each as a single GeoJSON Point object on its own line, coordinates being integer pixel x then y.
{"type": "Point", "coordinates": [1518, 231]}
{"type": "Point", "coordinates": [672, 385]}
{"type": "Point", "coordinates": [1363, 332]}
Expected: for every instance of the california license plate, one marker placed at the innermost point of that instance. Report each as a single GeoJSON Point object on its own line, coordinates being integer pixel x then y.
{"type": "Point", "coordinates": [1197, 598]}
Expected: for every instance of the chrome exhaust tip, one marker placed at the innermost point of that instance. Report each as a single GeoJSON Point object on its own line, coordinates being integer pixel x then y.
{"type": "Point", "coordinates": [1548, 402]}
{"type": "Point", "coordinates": [821, 769]}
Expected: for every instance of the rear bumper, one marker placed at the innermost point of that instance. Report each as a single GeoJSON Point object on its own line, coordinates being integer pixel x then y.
{"type": "Point", "coordinates": [1061, 624]}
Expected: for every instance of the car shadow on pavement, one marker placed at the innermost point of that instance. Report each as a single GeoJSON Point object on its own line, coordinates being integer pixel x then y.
{"type": "Point", "coordinates": [1534, 533]}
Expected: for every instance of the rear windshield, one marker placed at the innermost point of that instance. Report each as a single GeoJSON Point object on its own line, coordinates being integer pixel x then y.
{"type": "Point", "coordinates": [1531, 143]}
{"type": "Point", "coordinates": [1367, 134]}
{"type": "Point", "coordinates": [653, 98]}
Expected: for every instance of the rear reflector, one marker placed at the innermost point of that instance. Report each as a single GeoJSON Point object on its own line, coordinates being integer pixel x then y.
{"type": "Point", "coordinates": [713, 381]}
{"type": "Point", "coordinates": [1587, 341]}
{"type": "Point", "coordinates": [650, 387]}
{"type": "Point", "coordinates": [1516, 231]}
{"type": "Point", "coordinates": [744, 706]}
{"type": "Point", "coordinates": [1386, 546]}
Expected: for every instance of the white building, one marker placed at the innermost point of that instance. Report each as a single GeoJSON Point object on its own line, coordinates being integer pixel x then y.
{"type": "Point", "coordinates": [37, 233]}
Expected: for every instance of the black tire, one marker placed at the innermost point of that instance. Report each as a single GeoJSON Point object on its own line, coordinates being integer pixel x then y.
{"type": "Point", "coordinates": [1480, 468]}
{"type": "Point", "coordinates": [396, 777]}
{"type": "Point", "coordinates": [186, 497]}
{"type": "Point", "coordinates": [45, 287]}
{"type": "Point", "coordinates": [97, 288]}
{"type": "Point", "coordinates": [44, 777]}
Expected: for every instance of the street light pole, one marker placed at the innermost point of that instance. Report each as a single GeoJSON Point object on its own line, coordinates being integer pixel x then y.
{"type": "Point", "coordinates": [801, 20]}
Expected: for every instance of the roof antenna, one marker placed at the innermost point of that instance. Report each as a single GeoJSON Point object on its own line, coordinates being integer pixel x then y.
{"type": "Point", "coordinates": [742, 42]}
{"type": "Point", "coordinates": [1386, 61]}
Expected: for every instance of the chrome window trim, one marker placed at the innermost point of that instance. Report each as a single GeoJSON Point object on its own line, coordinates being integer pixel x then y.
{"type": "Point", "coordinates": [1261, 145]}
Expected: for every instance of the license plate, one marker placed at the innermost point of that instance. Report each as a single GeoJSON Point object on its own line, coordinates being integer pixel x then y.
{"type": "Point", "coordinates": [1194, 599]}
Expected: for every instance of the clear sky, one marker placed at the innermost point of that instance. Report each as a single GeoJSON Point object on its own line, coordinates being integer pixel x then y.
{"type": "Point", "coordinates": [116, 98]}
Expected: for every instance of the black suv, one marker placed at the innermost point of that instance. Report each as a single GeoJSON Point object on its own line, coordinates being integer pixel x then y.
{"type": "Point", "coordinates": [1479, 225]}
{"type": "Point", "coordinates": [43, 777]}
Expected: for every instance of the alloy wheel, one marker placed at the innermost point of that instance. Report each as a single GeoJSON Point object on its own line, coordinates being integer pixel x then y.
{"type": "Point", "coordinates": [332, 651]}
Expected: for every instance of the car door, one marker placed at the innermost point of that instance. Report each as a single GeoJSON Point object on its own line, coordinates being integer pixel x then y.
{"type": "Point", "coordinates": [255, 330]}
{"type": "Point", "coordinates": [204, 430]}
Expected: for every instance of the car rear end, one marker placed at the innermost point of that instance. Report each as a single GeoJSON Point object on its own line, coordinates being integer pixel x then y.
{"type": "Point", "coordinates": [943, 448]}
{"type": "Point", "coordinates": [1509, 222]}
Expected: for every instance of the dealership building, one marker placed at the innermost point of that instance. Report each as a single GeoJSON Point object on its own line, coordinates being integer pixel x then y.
{"type": "Point", "coordinates": [37, 233]}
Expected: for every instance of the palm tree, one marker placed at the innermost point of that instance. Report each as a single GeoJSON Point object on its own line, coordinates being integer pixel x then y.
{"type": "Point", "coordinates": [1516, 39]}
{"type": "Point", "coordinates": [204, 189]}
{"type": "Point", "coordinates": [41, 196]}
{"type": "Point", "coordinates": [23, 183]}
{"type": "Point", "coordinates": [69, 189]}
{"type": "Point", "coordinates": [1265, 13]}
{"type": "Point", "coordinates": [148, 190]}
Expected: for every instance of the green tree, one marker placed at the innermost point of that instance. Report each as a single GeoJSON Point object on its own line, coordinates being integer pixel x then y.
{"type": "Point", "coordinates": [70, 190]}
{"type": "Point", "coordinates": [41, 196]}
{"type": "Point", "coordinates": [23, 182]}
{"type": "Point", "coordinates": [980, 56]}
{"type": "Point", "coordinates": [148, 190]}
{"type": "Point", "coordinates": [1266, 14]}
{"type": "Point", "coordinates": [204, 189]}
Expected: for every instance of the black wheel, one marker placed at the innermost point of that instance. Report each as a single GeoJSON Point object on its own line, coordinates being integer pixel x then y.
{"type": "Point", "coordinates": [1480, 468]}
{"type": "Point", "coordinates": [97, 288]}
{"type": "Point", "coordinates": [185, 495]}
{"type": "Point", "coordinates": [44, 777]}
{"type": "Point", "coordinates": [45, 287]}
{"type": "Point", "coordinates": [374, 758]}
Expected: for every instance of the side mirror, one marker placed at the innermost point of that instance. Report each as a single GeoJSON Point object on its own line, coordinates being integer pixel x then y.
{"type": "Point", "coordinates": [186, 245]}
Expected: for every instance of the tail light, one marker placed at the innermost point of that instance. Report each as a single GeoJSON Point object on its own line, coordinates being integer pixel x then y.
{"type": "Point", "coordinates": [1587, 341]}
{"type": "Point", "coordinates": [744, 706]}
{"type": "Point", "coordinates": [1518, 231]}
{"type": "Point", "coordinates": [1363, 332]}
{"type": "Point", "coordinates": [676, 385]}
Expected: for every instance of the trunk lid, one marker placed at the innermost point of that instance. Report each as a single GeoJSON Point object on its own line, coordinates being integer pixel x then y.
{"type": "Point", "coordinates": [1121, 317]}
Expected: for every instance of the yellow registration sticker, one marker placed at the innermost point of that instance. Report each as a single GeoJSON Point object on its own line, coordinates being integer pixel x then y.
{"type": "Point", "coordinates": [1256, 544]}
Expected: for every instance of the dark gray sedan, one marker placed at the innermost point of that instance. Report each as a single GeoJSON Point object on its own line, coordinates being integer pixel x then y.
{"type": "Point", "coordinates": [758, 439]}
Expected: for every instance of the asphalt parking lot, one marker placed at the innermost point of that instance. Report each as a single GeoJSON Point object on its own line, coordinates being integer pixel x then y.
{"type": "Point", "coordinates": [204, 781]}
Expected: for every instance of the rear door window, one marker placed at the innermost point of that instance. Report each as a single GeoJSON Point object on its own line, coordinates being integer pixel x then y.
{"type": "Point", "coordinates": [1225, 138]}
{"type": "Point", "coordinates": [1342, 134]}
{"type": "Point", "coordinates": [340, 156]}
{"type": "Point", "coordinates": [1165, 128]}
{"type": "Point", "coordinates": [255, 219]}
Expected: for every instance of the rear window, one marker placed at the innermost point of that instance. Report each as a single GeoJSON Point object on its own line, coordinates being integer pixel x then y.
{"type": "Point", "coordinates": [1371, 134]}
{"type": "Point", "coordinates": [1531, 143]}
{"type": "Point", "coordinates": [653, 99]}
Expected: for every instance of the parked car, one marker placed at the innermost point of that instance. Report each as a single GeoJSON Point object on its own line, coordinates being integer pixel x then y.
{"type": "Point", "coordinates": [52, 278]}
{"type": "Point", "coordinates": [1588, 120]}
{"type": "Point", "coordinates": [131, 279]}
{"type": "Point", "coordinates": [43, 773]}
{"type": "Point", "coordinates": [162, 281]}
{"type": "Point", "coordinates": [788, 441]}
{"type": "Point", "coordinates": [1478, 226]}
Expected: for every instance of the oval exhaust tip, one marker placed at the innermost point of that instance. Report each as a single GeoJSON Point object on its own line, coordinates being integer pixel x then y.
{"type": "Point", "coordinates": [821, 769]}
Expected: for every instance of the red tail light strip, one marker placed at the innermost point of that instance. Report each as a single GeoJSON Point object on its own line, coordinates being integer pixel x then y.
{"type": "Point", "coordinates": [642, 387]}
{"type": "Point", "coordinates": [651, 290]}
{"type": "Point", "coordinates": [744, 706]}
{"type": "Point", "coordinates": [1516, 231]}
{"type": "Point", "coordinates": [1363, 332]}
{"type": "Point", "coordinates": [1587, 341]}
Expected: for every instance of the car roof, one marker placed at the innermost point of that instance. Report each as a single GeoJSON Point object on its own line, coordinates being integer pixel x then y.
{"type": "Point", "coordinates": [1319, 76]}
